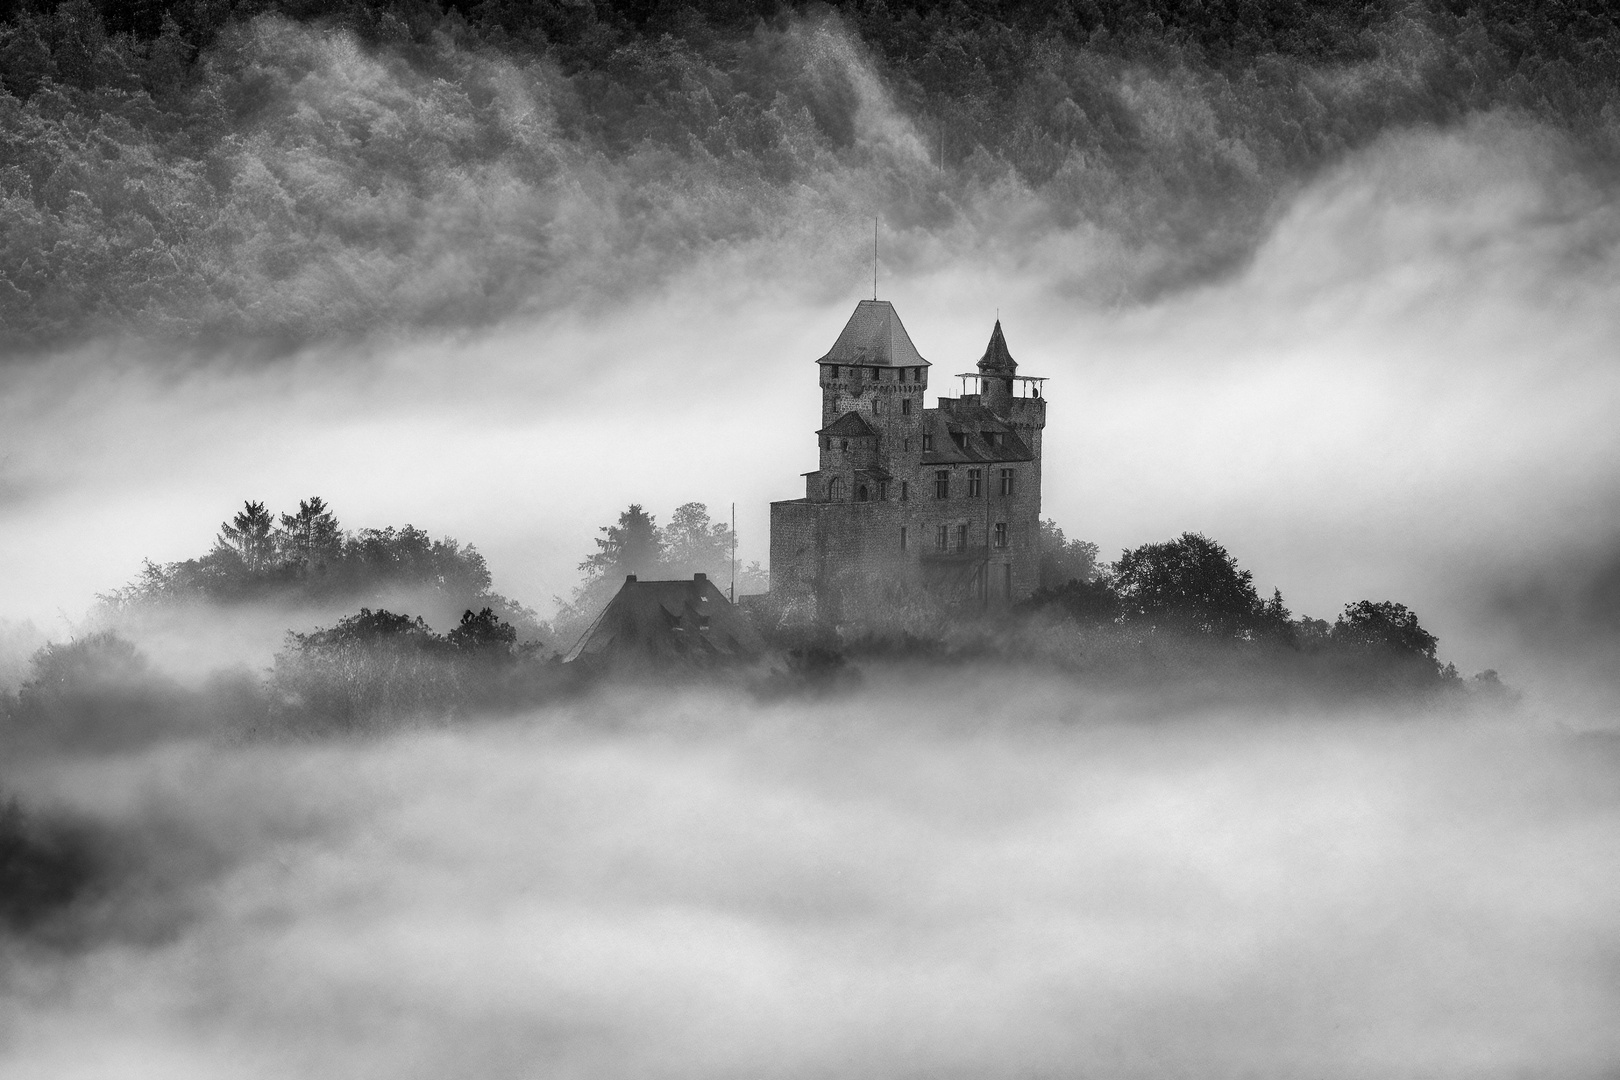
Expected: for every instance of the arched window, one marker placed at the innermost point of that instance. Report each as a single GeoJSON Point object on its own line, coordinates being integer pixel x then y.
{"type": "Point", "coordinates": [835, 490]}
{"type": "Point", "coordinates": [860, 493]}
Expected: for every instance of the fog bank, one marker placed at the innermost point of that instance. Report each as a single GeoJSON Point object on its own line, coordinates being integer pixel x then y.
{"type": "Point", "coordinates": [977, 877]}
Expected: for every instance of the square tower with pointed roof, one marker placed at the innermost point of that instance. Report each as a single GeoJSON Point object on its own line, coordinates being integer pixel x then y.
{"type": "Point", "coordinates": [946, 499]}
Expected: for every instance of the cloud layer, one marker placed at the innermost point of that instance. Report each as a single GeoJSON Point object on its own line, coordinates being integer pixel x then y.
{"type": "Point", "coordinates": [1003, 877]}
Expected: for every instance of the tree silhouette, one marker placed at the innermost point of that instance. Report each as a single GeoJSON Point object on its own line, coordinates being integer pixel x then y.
{"type": "Point", "coordinates": [310, 538]}
{"type": "Point", "coordinates": [633, 546]}
{"type": "Point", "coordinates": [482, 632]}
{"type": "Point", "coordinates": [1064, 560]}
{"type": "Point", "coordinates": [248, 534]}
{"type": "Point", "coordinates": [1191, 582]}
{"type": "Point", "coordinates": [1384, 624]}
{"type": "Point", "coordinates": [693, 544]}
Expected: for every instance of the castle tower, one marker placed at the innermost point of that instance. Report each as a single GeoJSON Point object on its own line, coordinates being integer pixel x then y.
{"type": "Point", "coordinates": [944, 499]}
{"type": "Point", "coordinates": [997, 370]}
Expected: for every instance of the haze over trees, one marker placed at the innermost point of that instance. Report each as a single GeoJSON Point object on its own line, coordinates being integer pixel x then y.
{"type": "Point", "coordinates": [1191, 588]}
{"type": "Point", "coordinates": [280, 170]}
{"type": "Point", "coordinates": [308, 558]}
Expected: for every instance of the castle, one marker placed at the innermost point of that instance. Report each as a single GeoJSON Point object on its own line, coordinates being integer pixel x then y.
{"type": "Point", "coordinates": [946, 500]}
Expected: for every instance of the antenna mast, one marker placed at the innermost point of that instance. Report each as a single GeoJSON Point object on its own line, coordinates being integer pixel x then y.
{"type": "Point", "coordinates": [874, 257]}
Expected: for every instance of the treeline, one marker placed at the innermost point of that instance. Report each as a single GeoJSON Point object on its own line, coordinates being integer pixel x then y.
{"type": "Point", "coordinates": [370, 671]}
{"type": "Point", "coordinates": [308, 558]}
{"type": "Point", "coordinates": [282, 169]}
{"type": "Point", "coordinates": [1191, 589]}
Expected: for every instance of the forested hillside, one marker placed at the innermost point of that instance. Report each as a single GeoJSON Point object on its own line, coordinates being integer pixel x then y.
{"type": "Point", "coordinates": [284, 171]}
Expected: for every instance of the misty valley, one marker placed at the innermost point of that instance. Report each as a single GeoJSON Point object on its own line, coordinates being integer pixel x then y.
{"type": "Point", "coordinates": [1012, 839]}
{"type": "Point", "coordinates": [854, 539]}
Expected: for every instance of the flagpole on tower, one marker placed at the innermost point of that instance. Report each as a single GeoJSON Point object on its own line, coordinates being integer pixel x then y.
{"type": "Point", "coordinates": [874, 257]}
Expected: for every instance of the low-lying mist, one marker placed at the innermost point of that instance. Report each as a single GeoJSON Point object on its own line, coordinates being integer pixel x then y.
{"type": "Point", "coordinates": [977, 873]}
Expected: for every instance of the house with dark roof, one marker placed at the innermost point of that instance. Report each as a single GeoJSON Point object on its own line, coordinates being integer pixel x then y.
{"type": "Point", "coordinates": [655, 626]}
{"type": "Point", "coordinates": [947, 499]}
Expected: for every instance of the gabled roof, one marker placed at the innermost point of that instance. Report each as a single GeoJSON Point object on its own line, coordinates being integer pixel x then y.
{"type": "Point", "coordinates": [656, 625]}
{"type": "Point", "coordinates": [852, 425]}
{"type": "Point", "coordinates": [996, 358]}
{"type": "Point", "coordinates": [874, 335]}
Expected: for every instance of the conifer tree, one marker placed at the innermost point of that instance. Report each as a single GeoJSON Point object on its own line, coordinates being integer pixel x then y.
{"type": "Point", "coordinates": [248, 534]}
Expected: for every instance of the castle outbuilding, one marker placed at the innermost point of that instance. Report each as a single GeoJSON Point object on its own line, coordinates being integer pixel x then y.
{"type": "Point", "coordinates": [666, 626]}
{"type": "Point", "coordinates": [945, 499]}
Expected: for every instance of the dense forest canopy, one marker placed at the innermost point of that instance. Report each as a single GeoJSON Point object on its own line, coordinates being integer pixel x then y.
{"type": "Point", "coordinates": [282, 171]}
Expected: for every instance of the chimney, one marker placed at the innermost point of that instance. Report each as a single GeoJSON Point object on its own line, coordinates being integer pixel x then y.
{"type": "Point", "coordinates": [629, 577]}
{"type": "Point", "coordinates": [700, 577]}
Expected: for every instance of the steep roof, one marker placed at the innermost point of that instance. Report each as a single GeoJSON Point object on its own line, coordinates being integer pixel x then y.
{"type": "Point", "coordinates": [852, 425]}
{"type": "Point", "coordinates": [996, 358]}
{"type": "Point", "coordinates": [874, 335]}
{"type": "Point", "coordinates": [972, 423]}
{"type": "Point", "coordinates": [660, 625]}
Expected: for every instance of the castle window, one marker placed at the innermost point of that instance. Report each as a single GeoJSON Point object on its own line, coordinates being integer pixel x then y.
{"type": "Point", "coordinates": [905, 491]}
{"type": "Point", "coordinates": [843, 445]}
{"type": "Point", "coordinates": [942, 539]}
{"type": "Point", "coordinates": [877, 373]}
{"type": "Point", "coordinates": [942, 484]}
{"type": "Point", "coordinates": [902, 538]}
{"type": "Point", "coordinates": [984, 386]}
{"type": "Point", "coordinates": [860, 493]}
{"type": "Point", "coordinates": [905, 406]}
{"type": "Point", "coordinates": [961, 538]}
{"type": "Point", "coordinates": [835, 490]}
{"type": "Point", "coordinates": [975, 483]}
{"type": "Point", "coordinates": [835, 371]}
{"type": "Point", "coordinates": [1006, 481]}
{"type": "Point", "coordinates": [1001, 534]}
{"type": "Point", "coordinates": [883, 491]}
{"type": "Point", "coordinates": [1009, 386]}
{"type": "Point", "coordinates": [960, 439]}
{"type": "Point", "coordinates": [905, 443]}
{"type": "Point", "coordinates": [928, 442]}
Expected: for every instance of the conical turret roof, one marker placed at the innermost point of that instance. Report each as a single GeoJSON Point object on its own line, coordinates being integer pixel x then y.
{"type": "Point", "coordinates": [874, 335]}
{"type": "Point", "coordinates": [996, 358]}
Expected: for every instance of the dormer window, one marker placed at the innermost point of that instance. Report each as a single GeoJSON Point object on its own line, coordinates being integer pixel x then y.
{"type": "Point", "coordinates": [960, 439]}
{"type": "Point", "coordinates": [927, 441]}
